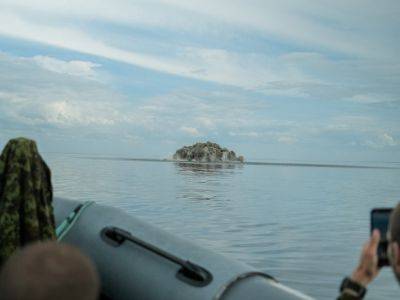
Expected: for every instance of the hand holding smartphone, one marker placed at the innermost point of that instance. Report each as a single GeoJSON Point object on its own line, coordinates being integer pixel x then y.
{"type": "Point", "coordinates": [380, 220]}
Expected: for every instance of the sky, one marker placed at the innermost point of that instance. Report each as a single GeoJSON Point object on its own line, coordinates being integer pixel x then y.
{"type": "Point", "coordinates": [273, 80]}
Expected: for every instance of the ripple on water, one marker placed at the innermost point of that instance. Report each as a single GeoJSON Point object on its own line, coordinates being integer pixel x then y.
{"type": "Point", "coordinates": [303, 225]}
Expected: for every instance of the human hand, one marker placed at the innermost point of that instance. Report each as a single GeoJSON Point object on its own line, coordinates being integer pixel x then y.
{"type": "Point", "coordinates": [367, 268]}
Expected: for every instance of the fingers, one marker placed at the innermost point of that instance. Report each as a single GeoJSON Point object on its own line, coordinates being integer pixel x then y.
{"type": "Point", "coordinates": [371, 246]}
{"type": "Point", "coordinates": [369, 256]}
{"type": "Point", "coordinates": [376, 236]}
{"type": "Point", "coordinates": [367, 269]}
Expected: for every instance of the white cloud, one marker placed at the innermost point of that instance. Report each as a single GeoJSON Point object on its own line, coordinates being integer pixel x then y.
{"type": "Point", "coordinates": [289, 140]}
{"type": "Point", "coordinates": [380, 140]}
{"type": "Point", "coordinates": [251, 134]}
{"type": "Point", "coordinates": [305, 23]}
{"type": "Point", "coordinates": [74, 113]}
{"type": "Point", "coordinates": [206, 111]}
{"type": "Point", "coordinates": [74, 39]}
{"type": "Point", "coordinates": [351, 122]}
{"type": "Point", "coordinates": [37, 97]}
{"type": "Point", "coordinates": [198, 63]}
{"type": "Point", "coordinates": [316, 76]}
{"type": "Point", "coordinates": [316, 23]}
{"type": "Point", "coordinates": [371, 98]}
{"type": "Point", "coordinates": [32, 95]}
{"type": "Point", "coordinates": [206, 122]}
{"type": "Point", "coordinates": [190, 130]}
{"type": "Point", "coordinates": [388, 140]}
{"type": "Point", "coordinates": [272, 134]}
{"type": "Point", "coordinates": [359, 130]}
{"type": "Point", "coordinates": [349, 50]}
{"type": "Point", "coordinates": [78, 113]}
{"type": "Point", "coordinates": [249, 71]}
{"type": "Point", "coordinates": [73, 67]}
{"type": "Point", "coordinates": [34, 99]}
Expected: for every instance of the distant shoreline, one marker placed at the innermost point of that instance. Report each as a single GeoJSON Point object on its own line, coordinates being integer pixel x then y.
{"type": "Point", "coordinates": [284, 164]}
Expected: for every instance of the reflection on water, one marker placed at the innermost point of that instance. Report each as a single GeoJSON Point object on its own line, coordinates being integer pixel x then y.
{"type": "Point", "coordinates": [202, 181]}
{"type": "Point", "coordinates": [303, 225]}
{"type": "Point", "coordinates": [206, 168]}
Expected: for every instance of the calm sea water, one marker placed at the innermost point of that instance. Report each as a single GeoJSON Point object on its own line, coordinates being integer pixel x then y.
{"type": "Point", "coordinates": [303, 225]}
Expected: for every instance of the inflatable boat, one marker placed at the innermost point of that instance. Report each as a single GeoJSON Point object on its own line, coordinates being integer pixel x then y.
{"type": "Point", "coordinates": [136, 260]}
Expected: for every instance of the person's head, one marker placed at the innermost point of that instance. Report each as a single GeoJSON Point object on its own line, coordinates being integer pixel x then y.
{"type": "Point", "coordinates": [49, 270]}
{"type": "Point", "coordinates": [394, 241]}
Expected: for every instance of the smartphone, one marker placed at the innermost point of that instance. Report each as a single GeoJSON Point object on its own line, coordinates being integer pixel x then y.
{"type": "Point", "coordinates": [380, 220]}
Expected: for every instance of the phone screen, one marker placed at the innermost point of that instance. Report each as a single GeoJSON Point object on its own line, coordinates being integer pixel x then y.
{"type": "Point", "coordinates": [380, 220]}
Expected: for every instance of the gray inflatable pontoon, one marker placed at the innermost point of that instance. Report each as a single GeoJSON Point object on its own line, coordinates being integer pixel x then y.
{"type": "Point", "coordinates": [139, 261]}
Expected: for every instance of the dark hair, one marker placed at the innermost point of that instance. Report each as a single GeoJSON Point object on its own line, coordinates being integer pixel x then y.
{"type": "Point", "coordinates": [395, 224]}
{"type": "Point", "coordinates": [49, 270]}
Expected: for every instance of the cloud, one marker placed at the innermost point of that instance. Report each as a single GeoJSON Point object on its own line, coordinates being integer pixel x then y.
{"type": "Point", "coordinates": [190, 130]}
{"type": "Point", "coordinates": [251, 134]}
{"type": "Point", "coordinates": [351, 122]}
{"type": "Point", "coordinates": [380, 140]}
{"type": "Point", "coordinates": [206, 111]}
{"type": "Point", "coordinates": [318, 24]}
{"type": "Point", "coordinates": [74, 39]}
{"type": "Point", "coordinates": [84, 69]}
{"type": "Point", "coordinates": [289, 140]}
{"type": "Point", "coordinates": [36, 98]}
{"type": "Point", "coordinates": [332, 26]}
{"type": "Point", "coordinates": [32, 95]}
{"type": "Point", "coordinates": [316, 76]}
{"type": "Point", "coordinates": [214, 65]}
{"type": "Point", "coordinates": [74, 113]}
{"type": "Point", "coordinates": [328, 52]}
{"type": "Point", "coordinates": [360, 131]}
{"type": "Point", "coordinates": [388, 140]}
{"type": "Point", "coordinates": [78, 114]}
{"type": "Point", "coordinates": [251, 72]}
{"type": "Point", "coordinates": [371, 98]}
{"type": "Point", "coordinates": [205, 122]}
{"type": "Point", "coordinates": [271, 134]}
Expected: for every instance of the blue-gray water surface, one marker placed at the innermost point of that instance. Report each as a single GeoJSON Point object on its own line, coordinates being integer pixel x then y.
{"type": "Point", "coordinates": [303, 225]}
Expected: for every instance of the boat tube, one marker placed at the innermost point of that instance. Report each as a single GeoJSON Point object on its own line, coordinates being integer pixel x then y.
{"type": "Point", "coordinates": [136, 260]}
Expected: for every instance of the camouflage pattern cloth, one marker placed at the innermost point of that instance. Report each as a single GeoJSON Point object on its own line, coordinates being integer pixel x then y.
{"type": "Point", "coordinates": [26, 212]}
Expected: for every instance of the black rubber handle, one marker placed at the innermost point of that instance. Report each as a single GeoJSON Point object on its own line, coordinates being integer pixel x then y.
{"type": "Point", "coordinates": [189, 272]}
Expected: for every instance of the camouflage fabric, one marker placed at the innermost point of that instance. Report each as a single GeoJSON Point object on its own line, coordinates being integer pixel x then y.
{"type": "Point", "coordinates": [26, 212]}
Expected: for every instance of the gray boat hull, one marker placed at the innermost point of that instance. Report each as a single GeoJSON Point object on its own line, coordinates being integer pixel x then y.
{"type": "Point", "coordinates": [129, 271]}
